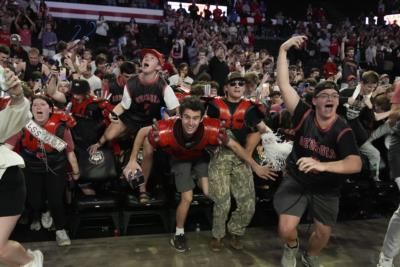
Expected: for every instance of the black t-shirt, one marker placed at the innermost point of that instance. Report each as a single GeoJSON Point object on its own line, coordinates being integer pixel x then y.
{"type": "Point", "coordinates": [89, 129]}
{"type": "Point", "coordinates": [325, 145]}
{"type": "Point", "coordinates": [218, 70]}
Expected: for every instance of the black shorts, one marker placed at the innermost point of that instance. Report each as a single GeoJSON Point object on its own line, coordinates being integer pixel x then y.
{"type": "Point", "coordinates": [292, 199]}
{"type": "Point", "coordinates": [185, 171]}
{"type": "Point", "coordinates": [12, 192]}
{"type": "Point", "coordinates": [131, 124]}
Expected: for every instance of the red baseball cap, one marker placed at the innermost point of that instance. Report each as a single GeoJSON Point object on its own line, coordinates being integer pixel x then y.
{"type": "Point", "coordinates": [154, 52]}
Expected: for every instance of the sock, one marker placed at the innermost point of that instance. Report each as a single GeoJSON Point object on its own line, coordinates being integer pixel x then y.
{"type": "Point", "coordinates": [383, 258]}
{"type": "Point", "coordinates": [179, 231]}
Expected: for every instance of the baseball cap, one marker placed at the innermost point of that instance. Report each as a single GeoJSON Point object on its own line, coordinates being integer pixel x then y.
{"type": "Point", "coordinates": [80, 87]}
{"type": "Point", "coordinates": [235, 75]}
{"type": "Point", "coordinates": [325, 85]}
{"type": "Point", "coordinates": [330, 74]}
{"type": "Point", "coordinates": [15, 38]}
{"type": "Point", "coordinates": [154, 52]}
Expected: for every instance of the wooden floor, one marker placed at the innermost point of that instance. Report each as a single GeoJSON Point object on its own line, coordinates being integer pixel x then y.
{"type": "Point", "coordinates": [353, 244]}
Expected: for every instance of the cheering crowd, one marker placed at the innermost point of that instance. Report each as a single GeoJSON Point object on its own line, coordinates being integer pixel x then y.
{"type": "Point", "coordinates": [205, 95]}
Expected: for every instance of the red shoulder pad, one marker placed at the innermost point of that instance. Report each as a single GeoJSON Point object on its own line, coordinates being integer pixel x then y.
{"type": "Point", "coordinates": [66, 118]}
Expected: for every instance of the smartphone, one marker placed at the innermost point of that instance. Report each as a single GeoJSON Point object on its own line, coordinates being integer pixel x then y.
{"type": "Point", "coordinates": [3, 84]}
{"type": "Point", "coordinates": [136, 179]}
{"type": "Point", "coordinates": [62, 76]}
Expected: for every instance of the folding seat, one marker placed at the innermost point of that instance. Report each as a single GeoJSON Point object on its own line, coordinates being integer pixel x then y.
{"type": "Point", "coordinates": [98, 172]}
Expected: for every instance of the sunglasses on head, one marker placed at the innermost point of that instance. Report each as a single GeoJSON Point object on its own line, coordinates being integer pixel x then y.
{"type": "Point", "coordinates": [234, 83]}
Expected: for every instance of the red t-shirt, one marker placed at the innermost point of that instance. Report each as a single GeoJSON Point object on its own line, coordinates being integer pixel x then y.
{"type": "Point", "coordinates": [217, 14]}
{"type": "Point", "coordinates": [5, 38]}
{"type": "Point", "coordinates": [334, 49]}
{"type": "Point", "coordinates": [26, 37]}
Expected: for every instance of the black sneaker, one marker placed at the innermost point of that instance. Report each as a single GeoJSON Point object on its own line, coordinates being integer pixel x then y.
{"type": "Point", "coordinates": [179, 243]}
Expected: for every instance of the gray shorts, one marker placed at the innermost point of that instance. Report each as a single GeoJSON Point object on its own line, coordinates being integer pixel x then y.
{"type": "Point", "coordinates": [186, 171]}
{"type": "Point", "coordinates": [292, 199]}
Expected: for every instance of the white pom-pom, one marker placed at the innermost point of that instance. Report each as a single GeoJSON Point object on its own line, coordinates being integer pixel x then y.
{"type": "Point", "coordinates": [275, 151]}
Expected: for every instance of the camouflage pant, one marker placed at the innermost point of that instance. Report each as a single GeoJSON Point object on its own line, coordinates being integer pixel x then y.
{"type": "Point", "coordinates": [229, 175]}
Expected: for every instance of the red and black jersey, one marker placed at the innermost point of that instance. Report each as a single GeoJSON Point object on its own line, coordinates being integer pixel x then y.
{"type": "Point", "coordinates": [147, 101]}
{"type": "Point", "coordinates": [172, 141]}
{"type": "Point", "coordinates": [116, 91]}
{"type": "Point", "coordinates": [331, 144]}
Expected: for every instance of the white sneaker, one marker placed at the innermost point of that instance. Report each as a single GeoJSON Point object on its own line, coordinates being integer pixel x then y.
{"type": "Point", "coordinates": [62, 238]}
{"type": "Point", "coordinates": [35, 226]}
{"type": "Point", "coordinates": [47, 220]}
{"type": "Point", "coordinates": [37, 259]}
{"type": "Point", "coordinates": [384, 261]}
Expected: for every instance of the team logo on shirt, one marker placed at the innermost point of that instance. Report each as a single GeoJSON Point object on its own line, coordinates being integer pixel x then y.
{"type": "Point", "coordinates": [97, 158]}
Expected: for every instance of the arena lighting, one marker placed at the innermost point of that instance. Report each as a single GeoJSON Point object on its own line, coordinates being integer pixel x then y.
{"type": "Point", "coordinates": [175, 5]}
{"type": "Point", "coordinates": [76, 10]}
{"type": "Point", "coordinates": [389, 19]}
{"type": "Point", "coordinates": [393, 18]}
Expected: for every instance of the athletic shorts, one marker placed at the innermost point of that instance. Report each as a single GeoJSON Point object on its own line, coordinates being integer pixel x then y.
{"type": "Point", "coordinates": [186, 171]}
{"type": "Point", "coordinates": [292, 199]}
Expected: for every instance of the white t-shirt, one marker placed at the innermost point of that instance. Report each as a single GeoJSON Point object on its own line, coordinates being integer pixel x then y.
{"type": "Point", "coordinates": [370, 54]}
{"type": "Point", "coordinates": [94, 82]}
{"type": "Point", "coordinates": [324, 45]}
{"type": "Point", "coordinates": [102, 28]}
{"type": "Point", "coordinates": [12, 119]}
{"type": "Point", "coordinates": [175, 80]}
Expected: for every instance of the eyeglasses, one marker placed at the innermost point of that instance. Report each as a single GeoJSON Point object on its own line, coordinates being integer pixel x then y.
{"type": "Point", "coordinates": [239, 83]}
{"type": "Point", "coordinates": [326, 96]}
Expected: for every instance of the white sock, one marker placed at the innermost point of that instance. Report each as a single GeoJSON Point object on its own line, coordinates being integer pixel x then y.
{"type": "Point", "coordinates": [384, 261]}
{"type": "Point", "coordinates": [179, 231]}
